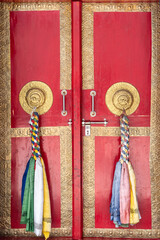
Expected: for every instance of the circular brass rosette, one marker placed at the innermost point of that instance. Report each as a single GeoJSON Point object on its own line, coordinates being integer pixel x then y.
{"type": "Point", "coordinates": [37, 95]}
{"type": "Point", "coordinates": [122, 96]}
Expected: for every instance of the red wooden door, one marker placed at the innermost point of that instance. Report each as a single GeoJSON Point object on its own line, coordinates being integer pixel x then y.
{"type": "Point", "coordinates": [117, 46]}
{"type": "Point", "coordinates": [39, 36]}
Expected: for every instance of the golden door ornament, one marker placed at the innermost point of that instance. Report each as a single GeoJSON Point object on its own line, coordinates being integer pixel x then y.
{"type": "Point", "coordinates": [122, 96]}
{"type": "Point", "coordinates": [37, 95]}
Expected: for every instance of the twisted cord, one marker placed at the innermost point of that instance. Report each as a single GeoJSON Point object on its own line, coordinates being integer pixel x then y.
{"type": "Point", "coordinates": [124, 124]}
{"type": "Point", "coordinates": [34, 130]}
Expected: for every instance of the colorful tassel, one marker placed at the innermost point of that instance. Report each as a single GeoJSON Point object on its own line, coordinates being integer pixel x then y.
{"type": "Point", "coordinates": [128, 212]}
{"type": "Point", "coordinates": [35, 192]}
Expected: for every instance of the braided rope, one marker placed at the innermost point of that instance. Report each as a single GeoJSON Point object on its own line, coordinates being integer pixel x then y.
{"type": "Point", "coordinates": [34, 130]}
{"type": "Point", "coordinates": [124, 123]}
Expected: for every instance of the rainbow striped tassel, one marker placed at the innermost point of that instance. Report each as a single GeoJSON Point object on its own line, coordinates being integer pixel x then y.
{"type": "Point", "coordinates": [36, 209]}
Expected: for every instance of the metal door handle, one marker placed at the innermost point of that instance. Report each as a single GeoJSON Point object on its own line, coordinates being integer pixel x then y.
{"type": "Point", "coordinates": [93, 112]}
{"type": "Point", "coordinates": [64, 93]}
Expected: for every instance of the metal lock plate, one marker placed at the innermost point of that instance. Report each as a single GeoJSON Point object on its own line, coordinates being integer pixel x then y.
{"type": "Point", "coordinates": [87, 130]}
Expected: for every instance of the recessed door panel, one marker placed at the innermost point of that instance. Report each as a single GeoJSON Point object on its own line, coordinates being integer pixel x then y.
{"type": "Point", "coordinates": [50, 146]}
{"type": "Point", "coordinates": [36, 55]}
{"type": "Point", "coordinates": [121, 52]}
{"type": "Point", "coordinates": [106, 156]}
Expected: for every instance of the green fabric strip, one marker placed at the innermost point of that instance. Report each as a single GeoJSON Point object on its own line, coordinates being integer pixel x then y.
{"type": "Point", "coordinates": [27, 216]}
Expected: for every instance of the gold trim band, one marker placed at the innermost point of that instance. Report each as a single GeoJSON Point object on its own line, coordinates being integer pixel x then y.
{"type": "Point", "coordinates": [43, 131]}
{"type": "Point", "coordinates": [55, 232]}
{"type": "Point", "coordinates": [96, 131]}
{"type": "Point", "coordinates": [115, 131]}
{"type": "Point", "coordinates": [122, 233]}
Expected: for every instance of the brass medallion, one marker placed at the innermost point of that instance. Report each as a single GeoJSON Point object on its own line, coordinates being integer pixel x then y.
{"type": "Point", "coordinates": [37, 95]}
{"type": "Point", "coordinates": [122, 96]}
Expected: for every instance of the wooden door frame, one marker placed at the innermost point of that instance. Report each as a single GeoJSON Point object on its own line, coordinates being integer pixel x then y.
{"type": "Point", "coordinates": [77, 212]}
{"type": "Point", "coordinates": [77, 215]}
{"type": "Point", "coordinates": [77, 206]}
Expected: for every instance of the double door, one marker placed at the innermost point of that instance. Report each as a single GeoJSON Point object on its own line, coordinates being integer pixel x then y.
{"type": "Point", "coordinates": [63, 58]}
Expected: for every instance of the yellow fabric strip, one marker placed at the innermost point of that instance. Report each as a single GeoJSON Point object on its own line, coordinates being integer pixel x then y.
{"type": "Point", "coordinates": [134, 212]}
{"type": "Point", "coordinates": [46, 206]}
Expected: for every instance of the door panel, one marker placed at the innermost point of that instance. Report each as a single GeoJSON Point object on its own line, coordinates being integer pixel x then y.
{"type": "Point", "coordinates": [20, 154]}
{"type": "Point", "coordinates": [106, 156]}
{"type": "Point", "coordinates": [36, 36]}
{"type": "Point", "coordinates": [121, 52]}
{"type": "Point", "coordinates": [117, 42]}
{"type": "Point", "coordinates": [37, 55]}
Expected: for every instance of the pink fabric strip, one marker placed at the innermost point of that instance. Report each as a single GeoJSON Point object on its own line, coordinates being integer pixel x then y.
{"type": "Point", "coordinates": [124, 195]}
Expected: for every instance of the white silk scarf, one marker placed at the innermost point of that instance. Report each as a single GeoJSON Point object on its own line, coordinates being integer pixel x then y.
{"type": "Point", "coordinates": [38, 198]}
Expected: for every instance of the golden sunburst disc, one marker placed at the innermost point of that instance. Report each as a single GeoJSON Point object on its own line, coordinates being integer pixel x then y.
{"type": "Point", "coordinates": [36, 94]}
{"type": "Point", "coordinates": [122, 96]}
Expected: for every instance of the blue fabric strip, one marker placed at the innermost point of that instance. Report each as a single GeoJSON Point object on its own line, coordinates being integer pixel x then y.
{"type": "Point", "coordinates": [115, 200]}
{"type": "Point", "coordinates": [24, 181]}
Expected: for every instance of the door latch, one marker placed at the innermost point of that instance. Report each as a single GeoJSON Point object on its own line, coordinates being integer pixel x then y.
{"type": "Point", "coordinates": [88, 124]}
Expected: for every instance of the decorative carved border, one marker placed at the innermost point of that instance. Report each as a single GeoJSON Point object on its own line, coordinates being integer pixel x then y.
{"type": "Point", "coordinates": [88, 10]}
{"type": "Point", "coordinates": [5, 117]}
{"type": "Point", "coordinates": [97, 131]}
{"type": "Point", "coordinates": [155, 118]}
{"type": "Point", "coordinates": [43, 131]}
{"type": "Point", "coordinates": [56, 232]}
{"type": "Point", "coordinates": [88, 183]}
{"type": "Point", "coordinates": [66, 179]}
{"type": "Point", "coordinates": [115, 131]}
{"type": "Point", "coordinates": [121, 233]}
